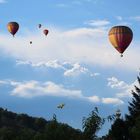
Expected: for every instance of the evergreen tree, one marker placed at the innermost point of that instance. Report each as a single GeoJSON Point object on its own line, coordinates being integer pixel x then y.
{"type": "Point", "coordinates": [135, 130]}
{"type": "Point", "coordinates": [134, 106]}
{"type": "Point", "coordinates": [118, 130]}
{"type": "Point", "coordinates": [132, 119]}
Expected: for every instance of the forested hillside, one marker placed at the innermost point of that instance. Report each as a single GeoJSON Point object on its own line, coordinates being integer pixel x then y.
{"type": "Point", "coordinates": [23, 127]}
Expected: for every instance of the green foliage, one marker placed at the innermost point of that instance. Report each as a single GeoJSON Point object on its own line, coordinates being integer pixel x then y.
{"type": "Point", "coordinates": [92, 124]}
{"type": "Point", "coordinates": [118, 130]}
{"type": "Point", "coordinates": [132, 119]}
{"type": "Point", "coordinates": [128, 129]}
{"type": "Point", "coordinates": [22, 127]}
{"type": "Point", "coordinates": [135, 130]}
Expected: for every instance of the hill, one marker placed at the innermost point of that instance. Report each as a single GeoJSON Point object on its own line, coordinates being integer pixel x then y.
{"type": "Point", "coordinates": [15, 126]}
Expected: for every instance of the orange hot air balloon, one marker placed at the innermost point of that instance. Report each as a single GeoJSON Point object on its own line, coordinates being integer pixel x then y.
{"type": "Point", "coordinates": [13, 27]}
{"type": "Point", "coordinates": [120, 37]}
{"type": "Point", "coordinates": [46, 32]}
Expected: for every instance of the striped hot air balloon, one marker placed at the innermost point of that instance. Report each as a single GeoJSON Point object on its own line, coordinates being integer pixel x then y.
{"type": "Point", "coordinates": [120, 37]}
{"type": "Point", "coordinates": [13, 27]}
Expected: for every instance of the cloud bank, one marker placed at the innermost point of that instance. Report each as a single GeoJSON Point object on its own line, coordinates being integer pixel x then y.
{"type": "Point", "coordinates": [82, 45]}
{"type": "Point", "coordinates": [32, 89]}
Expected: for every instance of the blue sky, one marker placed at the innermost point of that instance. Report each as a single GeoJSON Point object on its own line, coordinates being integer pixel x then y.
{"type": "Point", "coordinates": [75, 64]}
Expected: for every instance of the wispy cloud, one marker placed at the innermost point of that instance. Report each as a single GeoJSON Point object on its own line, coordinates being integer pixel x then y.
{"type": "Point", "coordinates": [113, 82]}
{"type": "Point", "coordinates": [120, 18]}
{"type": "Point", "coordinates": [52, 64]}
{"type": "Point", "coordinates": [135, 18]}
{"type": "Point", "coordinates": [3, 1]}
{"type": "Point", "coordinates": [70, 69]}
{"type": "Point", "coordinates": [62, 5]}
{"type": "Point", "coordinates": [97, 23]}
{"type": "Point", "coordinates": [76, 70]}
{"type": "Point", "coordinates": [95, 99]}
{"type": "Point", "coordinates": [79, 2]}
{"type": "Point", "coordinates": [124, 89]}
{"type": "Point", "coordinates": [32, 89]}
{"type": "Point", "coordinates": [112, 101]}
{"type": "Point", "coordinates": [3, 82]}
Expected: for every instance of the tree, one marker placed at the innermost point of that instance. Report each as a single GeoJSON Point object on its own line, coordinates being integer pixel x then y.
{"type": "Point", "coordinates": [118, 130]}
{"type": "Point", "coordinates": [92, 124]}
{"type": "Point", "coordinates": [135, 130]}
{"type": "Point", "coordinates": [132, 119]}
{"type": "Point", "coordinates": [134, 106]}
{"type": "Point", "coordinates": [23, 127]}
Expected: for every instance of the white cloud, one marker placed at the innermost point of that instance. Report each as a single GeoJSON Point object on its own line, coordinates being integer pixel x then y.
{"type": "Point", "coordinates": [124, 89]}
{"type": "Point", "coordinates": [120, 18]}
{"type": "Point", "coordinates": [3, 1]}
{"type": "Point", "coordinates": [94, 99]}
{"type": "Point", "coordinates": [94, 74]}
{"type": "Point", "coordinates": [135, 18]}
{"type": "Point", "coordinates": [82, 45]}
{"type": "Point", "coordinates": [128, 91]}
{"type": "Point", "coordinates": [31, 89]}
{"type": "Point", "coordinates": [9, 82]}
{"type": "Point", "coordinates": [98, 23]}
{"type": "Point", "coordinates": [112, 101]}
{"type": "Point", "coordinates": [52, 64]}
{"type": "Point", "coordinates": [76, 70]}
{"type": "Point", "coordinates": [3, 82]}
{"type": "Point", "coordinates": [79, 2]}
{"type": "Point", "coordinates": [70, 69]}
{"type": "Point", "coordinates": [113, 82]}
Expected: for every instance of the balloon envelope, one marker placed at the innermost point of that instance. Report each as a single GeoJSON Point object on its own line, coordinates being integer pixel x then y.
{"type": "Point", "coordinates": [13, 27]}
{"type": "Point", "coordinates": [120, 37]}
{"type": "Point", "coordinates": [46, 32]}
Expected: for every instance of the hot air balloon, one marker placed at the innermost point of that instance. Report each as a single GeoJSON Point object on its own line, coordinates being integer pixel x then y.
{"type": "Point", "coordinates": [31, 42]}
{"type": "Point", "coordinates": [39, 25]}
{"type": "Point", "coordinates": [46, 32]}
{"type": "Point", "coordinates": [13, 27]}
{"type": "Point", "coordinates": [120, 37]}
{"type": "Point", "coordinates": [60, 106]}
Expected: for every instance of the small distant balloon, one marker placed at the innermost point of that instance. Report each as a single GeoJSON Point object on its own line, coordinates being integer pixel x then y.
{"type": "Point", "coordinates": [120, 37]}
{"type": "Point", "coordinates": [31, 42]}
{"type": "Point", "coordinates": [13, 27]}
{"type": "Point", "coordinates": [46, 32]}
{"type": "Point", "coordinates": [39, 25]}
{"type": "Point", "coordinates": [60, 106]}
